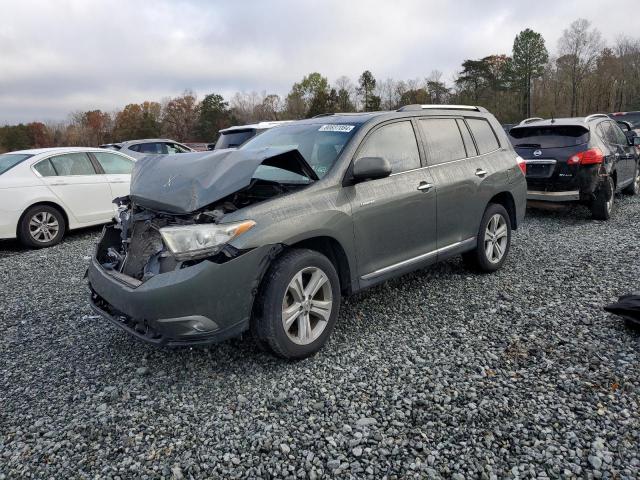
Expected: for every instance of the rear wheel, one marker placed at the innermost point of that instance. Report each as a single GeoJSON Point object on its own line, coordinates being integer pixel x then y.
{"type": "Point", "coordinates": [634, 188]}
{"type": "Point", "coordinates": [602, 205]}
{"type": "Point", "coordinates": [297, 305]}
{"type": "Point", "coordinates": [41, 226]}
{"type": "Point", "coordinates": [493, 241]}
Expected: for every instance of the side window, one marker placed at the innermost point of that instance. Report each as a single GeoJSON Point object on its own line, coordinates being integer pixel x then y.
{"type": "Point", "coordinates": [484, 135]}
{"type": "Point", "coordinates": [135, 148]}
{"type": "Point", "coordinates": [617, 133]}
{"type": "Point", "coordinates": [397, 143]}
{"type": "Point", "coordinates": [466, 136]}
{"type": "Point", "coordinates": [113, 164]}
{"type": "Point", "coordinates": [152, 148]}
{"type": "Point", "coordinates": [602, 130]}
{"type": "Point", "coordinates": [608, 134]}
{"type": "Point", "coordinates": [72, 164]}
{"type": "Point", "coordinates": [175, 148]}
{"type": "Point", "coordinates": [45, 168]}
{"type": "Point", "coordinates": [443, 141]}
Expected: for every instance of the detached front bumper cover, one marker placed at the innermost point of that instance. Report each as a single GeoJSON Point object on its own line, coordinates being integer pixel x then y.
{"type": "Point", "coordinates": [204, 303]}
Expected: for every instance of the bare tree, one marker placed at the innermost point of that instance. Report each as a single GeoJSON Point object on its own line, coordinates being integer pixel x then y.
{"type": "Point", "coordinates": [580, 45]}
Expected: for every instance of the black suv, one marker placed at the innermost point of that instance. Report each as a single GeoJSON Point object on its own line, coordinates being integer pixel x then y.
{"type": "Point", "coordinates": [632, 118]}
{"type": "Point", "coordinates": [577, 159]}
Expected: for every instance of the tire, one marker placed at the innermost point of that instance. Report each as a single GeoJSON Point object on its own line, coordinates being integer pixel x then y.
{"type": "Point", "coordinates": [634, 188]}
{"type": "Point", "coordinates": [478, 259]}
{"type": "Point", "coordinates": [278, 293]}
{"type": "Point", "coordinates": [41, 215]}
{"type": "Point", "coordinates": [602, 205]}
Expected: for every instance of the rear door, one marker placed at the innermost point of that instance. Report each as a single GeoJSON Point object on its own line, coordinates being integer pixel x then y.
{"type": "Point", "coordinates": [82, 191]}
{"type": "Point", "coordinates": [613, 152]}
{"type": "Point", "coordinates": [546, 150]}
{"type": "Point", "coordinates": [394, 217]}
{"type": "Point", "coordinates": [453, 175]}
{"type": "Point", "coordinates": [626, 153]}
{"type": "Point", "coordinates": [117, 170]}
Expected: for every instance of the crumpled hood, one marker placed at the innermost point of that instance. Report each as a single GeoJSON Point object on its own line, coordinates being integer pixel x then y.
{"type": "Point", "coordinates": [183, 183]}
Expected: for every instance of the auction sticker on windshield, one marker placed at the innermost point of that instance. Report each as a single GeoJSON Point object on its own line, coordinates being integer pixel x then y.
{"type": "Point", "coordinates": [336, 128]}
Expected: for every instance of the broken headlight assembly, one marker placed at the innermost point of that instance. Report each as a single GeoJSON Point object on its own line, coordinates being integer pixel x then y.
{"type": "Point", "coordinates": [192, 242]}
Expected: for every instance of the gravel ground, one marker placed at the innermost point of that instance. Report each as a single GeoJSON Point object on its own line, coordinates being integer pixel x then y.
{"type": "Point", "coordinates": [442, 374]}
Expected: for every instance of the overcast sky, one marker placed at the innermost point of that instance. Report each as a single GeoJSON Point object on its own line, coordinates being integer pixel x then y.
{"type": "Point", "coordinates": [68, 55]}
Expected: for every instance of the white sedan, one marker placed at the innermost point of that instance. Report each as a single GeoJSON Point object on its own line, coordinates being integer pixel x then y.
{"type": "Point", "coordinates": [45, 192]}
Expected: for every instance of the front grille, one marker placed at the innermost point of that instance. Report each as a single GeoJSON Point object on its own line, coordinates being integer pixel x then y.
{"type": "Point", "coordinates": [145, 242]}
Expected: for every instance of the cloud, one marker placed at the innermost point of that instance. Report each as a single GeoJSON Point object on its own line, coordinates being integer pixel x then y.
{"type": "Point", "coordinates": [69, 55]}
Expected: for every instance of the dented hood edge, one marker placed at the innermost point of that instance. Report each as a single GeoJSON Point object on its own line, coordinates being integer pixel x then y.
{"type": "Point", "coordinates": [186, 182]}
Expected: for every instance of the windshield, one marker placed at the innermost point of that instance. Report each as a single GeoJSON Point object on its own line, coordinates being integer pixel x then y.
{"type": "Point", "coordinates": [234, 139]}
{"type": "Point", "coordinates": [9, 160]}
{"type": "Point", "coordinates": [632, 118]}
{"type": "Point", "coordinates": [319, 144]}
{"type": "Point", "coordinates": [549, 137]}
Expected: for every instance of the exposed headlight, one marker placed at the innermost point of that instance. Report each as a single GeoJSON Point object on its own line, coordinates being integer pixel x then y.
{"type": "Point", "coordinates": [189, 242]}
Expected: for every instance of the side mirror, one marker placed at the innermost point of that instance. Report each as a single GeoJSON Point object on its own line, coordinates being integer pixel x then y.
{"type": "Point", "coordinates": [636, 141]}
{"type": "Point", "coordinates": [370, 168]}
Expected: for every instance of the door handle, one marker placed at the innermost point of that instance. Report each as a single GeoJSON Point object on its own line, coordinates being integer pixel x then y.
{"type": "Point", "coordinates": [481, 173]}
{"type": "Point", "coordinates": [59, 183]}
{"type": "Point", "coordinates": [425, 186]}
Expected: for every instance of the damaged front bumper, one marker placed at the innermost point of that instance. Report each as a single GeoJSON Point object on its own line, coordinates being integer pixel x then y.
{"type": "Point", "coordinates": [199, 304]}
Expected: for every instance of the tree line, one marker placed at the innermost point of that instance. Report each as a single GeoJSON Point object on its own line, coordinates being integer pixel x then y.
{"type": "Point", "coordinates": [585, 75]}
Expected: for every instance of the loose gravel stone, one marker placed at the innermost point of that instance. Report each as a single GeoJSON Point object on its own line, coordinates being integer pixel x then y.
{"type": "Point", "coordinates": [440, 373]}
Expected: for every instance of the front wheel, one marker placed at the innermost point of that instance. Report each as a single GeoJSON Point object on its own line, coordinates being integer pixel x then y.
{"type": "Point", "coordinates": [493, 241]}
{"type": "Point", "coordinates": [602, 205]}
{"type": "Point", "coordinates": [297, 305]}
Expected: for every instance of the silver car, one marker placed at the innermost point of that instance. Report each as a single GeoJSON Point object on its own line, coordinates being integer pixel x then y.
{"type": "Point", "coordinates": [148, 146]}
{"type": "Point", "coordinates": [267, 238]}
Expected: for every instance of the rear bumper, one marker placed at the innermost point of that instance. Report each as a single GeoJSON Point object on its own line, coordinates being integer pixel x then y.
{"type": "Point", "coordinates": [204, 303]}
{"type": "Point", "coordinates": [566, 196]}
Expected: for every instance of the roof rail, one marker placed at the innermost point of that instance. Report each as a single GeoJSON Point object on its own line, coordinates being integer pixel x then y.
{"type": "Point", "coordinates": [529, 120]}
{"type": "Point", "coordinates": [588, 118]}
{"type": "Point", "coordinates": [415, 107]}
{"type": "Point", "coordinates": [323, 115]}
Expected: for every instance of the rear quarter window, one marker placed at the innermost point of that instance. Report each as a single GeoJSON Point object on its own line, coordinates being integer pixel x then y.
{"type": "Point", "coordinates": [45, 168]}
{"type": "Point", "coordinates": [483, 134]}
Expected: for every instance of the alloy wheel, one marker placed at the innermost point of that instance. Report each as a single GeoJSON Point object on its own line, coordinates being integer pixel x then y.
{"type": "Point", "coordinates": [307, 305]}
{"type": "Point", "coordinates": [43, 227]}
{"type": "Point", "coordinates": [609, 204]}
{"type": "Point", "coordinates": [496, 238]}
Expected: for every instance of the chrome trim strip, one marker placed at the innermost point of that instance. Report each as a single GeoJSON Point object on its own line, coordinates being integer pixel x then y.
{"type": "Point", "coordinates": [554, 196]}
{"type": "Point", "coordinates": [541, 161]}
{"type": "Point", "coordinates": [417, 259]}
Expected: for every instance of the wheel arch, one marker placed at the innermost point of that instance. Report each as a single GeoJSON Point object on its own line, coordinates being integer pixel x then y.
{"type": "Point", "coordinates": [48, 203]}
{"type": "Point", "coordinates": [335, 252]}
{"type": "Point", "coordinates": [506, 200]}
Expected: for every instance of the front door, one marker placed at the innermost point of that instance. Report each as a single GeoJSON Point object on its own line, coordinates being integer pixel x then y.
{"type": "Point", "coordinates": [395, 217]}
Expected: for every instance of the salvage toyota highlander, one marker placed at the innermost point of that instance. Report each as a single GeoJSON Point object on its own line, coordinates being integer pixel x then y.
{"type": "Point", "coordinates": [267, 238]}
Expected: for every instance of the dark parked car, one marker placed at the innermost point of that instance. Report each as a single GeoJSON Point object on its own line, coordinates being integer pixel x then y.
{"type": "Point", "coordinates": [631, 117]}
{"type": "Point", "coordinates": [269, 237]}
{"type": "Point", "coordinates": [234, 137]}
{"type": "Point", "coordinates": [578, 159]}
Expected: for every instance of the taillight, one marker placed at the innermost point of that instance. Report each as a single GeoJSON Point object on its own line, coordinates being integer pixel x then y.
{"type": "Point", "coordinates": [522, 164]}
{"type": "Point", "coordinates": [588, 157]}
